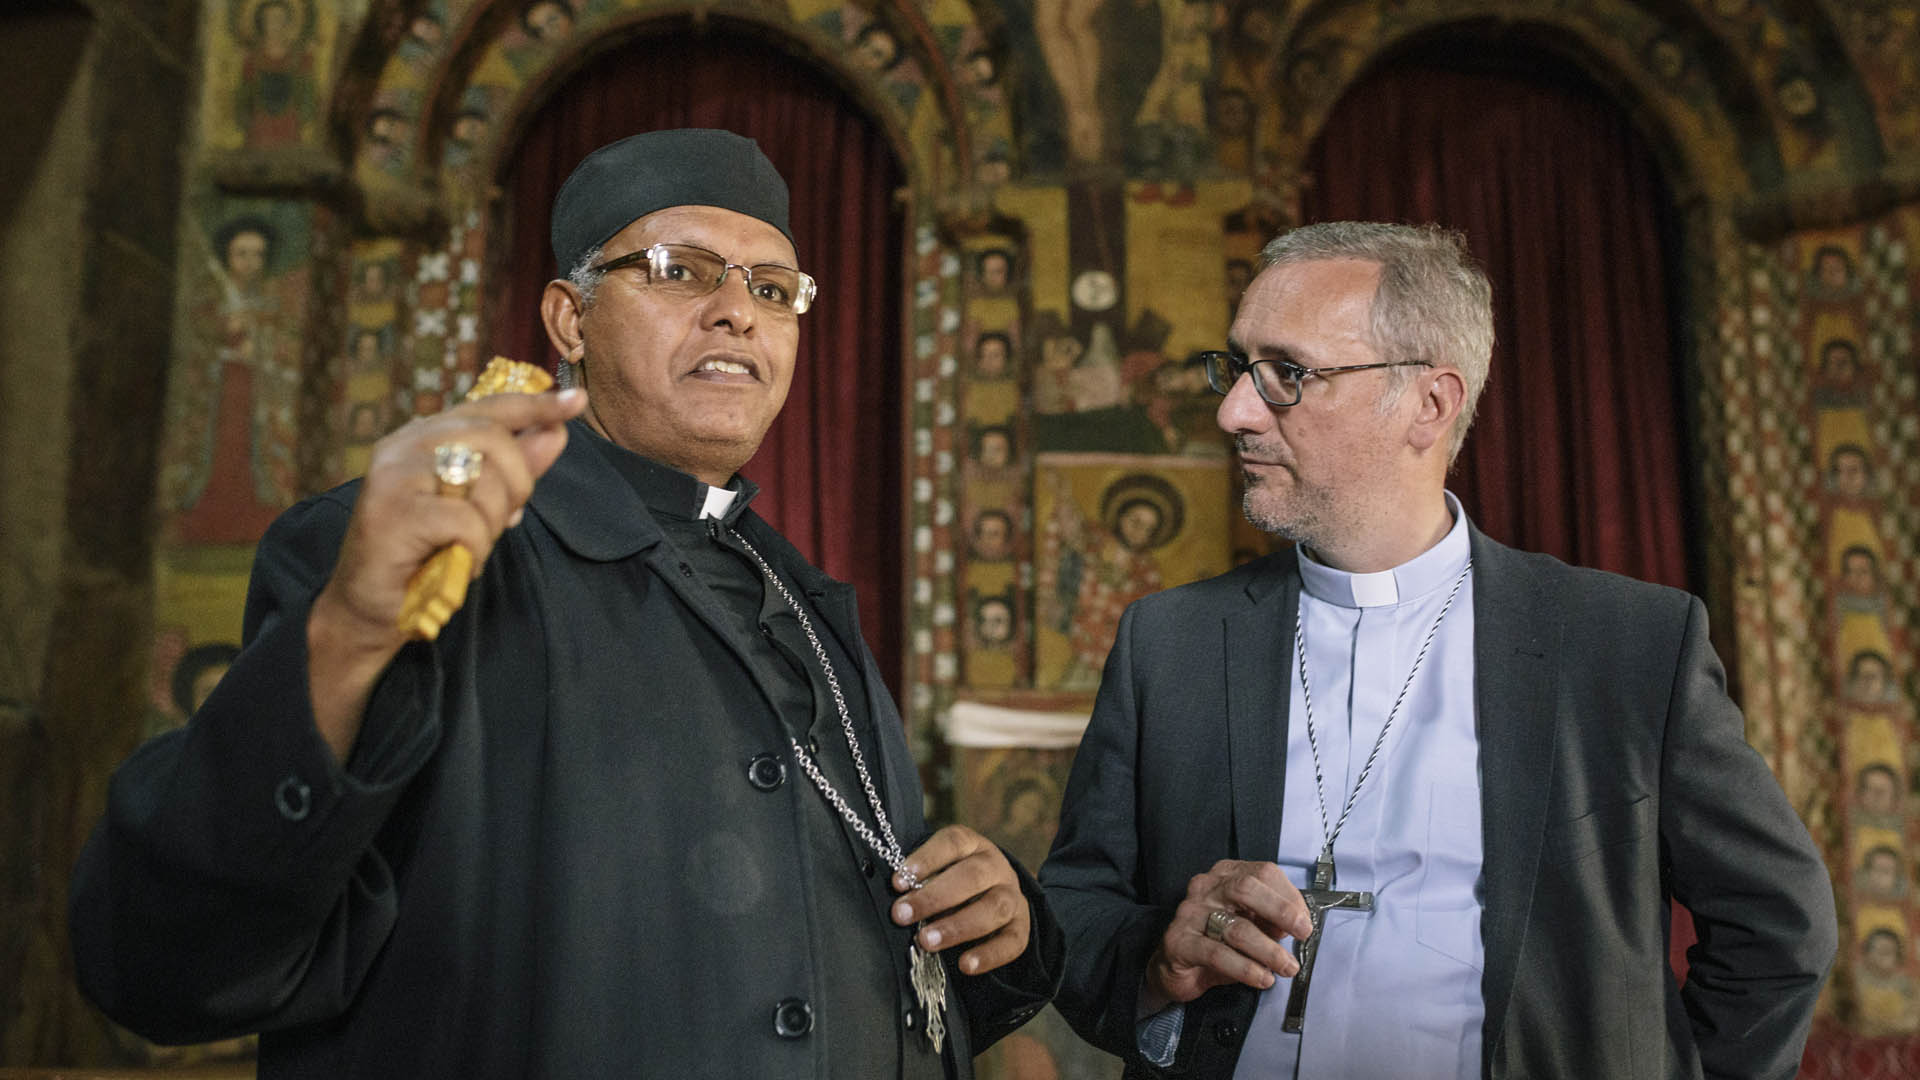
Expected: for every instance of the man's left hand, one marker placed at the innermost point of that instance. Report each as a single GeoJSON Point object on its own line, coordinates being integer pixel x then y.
{"type": "Point", "coordinates": [968, 894]}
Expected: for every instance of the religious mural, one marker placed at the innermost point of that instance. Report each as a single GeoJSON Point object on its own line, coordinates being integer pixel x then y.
{"type": "Point", "coordinates": [229, 467]}
{"type": "Point", "coordinates": [1845, 282]}
{"type": "Point", "coordinates": [229, 463]}
{"type": "Point", "coordinates": [1013, 797]}
{"type": "Point", "coordinates": [276, 98]}
{"type": "Point", "coordinates": [1092, 182]}
{"type": "Point", "coordinates": [994, 485]}
{"type": "Point", "coordinates": [1115, 528]}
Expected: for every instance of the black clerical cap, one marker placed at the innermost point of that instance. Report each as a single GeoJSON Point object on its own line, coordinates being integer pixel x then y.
{"type": "Point", "coordinates": [622, 182]}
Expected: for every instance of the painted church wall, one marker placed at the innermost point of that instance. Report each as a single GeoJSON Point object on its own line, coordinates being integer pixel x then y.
{"type": "Point", "coordinates": [38, 316]}
{"type": "Point", "coordinates": [1090, 183]}
{"type": "Point", "coordinates": [93, 96]}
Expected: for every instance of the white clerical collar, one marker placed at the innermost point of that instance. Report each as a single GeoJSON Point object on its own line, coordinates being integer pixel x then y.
{"type": "Point", "coordinates": [719, 500]}
{"type": "Point", "coordinates": [1432, 569]}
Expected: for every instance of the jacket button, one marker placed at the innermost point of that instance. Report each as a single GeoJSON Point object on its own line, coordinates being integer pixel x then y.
{"type": "Point", "coordinates": [792, 1018]}
{"type": "Point", "coordinates": [866, 867]}
{"type": "Point", "coordinates": [685, 570]}
{"type": "Point", "coordinates": [1226, 1032]}
{"type": "Point", "coordinates": [294, 799]}
{"type": "Point", "coordinates": [766, 772]}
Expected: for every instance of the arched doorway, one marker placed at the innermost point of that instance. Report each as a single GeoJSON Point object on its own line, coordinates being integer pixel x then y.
{"type": "Point", "coordinates": [830, 469]}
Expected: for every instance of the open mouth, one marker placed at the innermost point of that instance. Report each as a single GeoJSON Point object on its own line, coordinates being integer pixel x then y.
{"type": "Point", "coordinates": [727, 368]}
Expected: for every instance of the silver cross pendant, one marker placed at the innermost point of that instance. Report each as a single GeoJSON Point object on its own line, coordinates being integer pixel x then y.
{"type": "Point", "coordinates": [929, 978]}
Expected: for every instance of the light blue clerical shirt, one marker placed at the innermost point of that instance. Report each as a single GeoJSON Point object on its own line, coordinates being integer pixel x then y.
{"type": "Point", "coordinates": [1395, 991]}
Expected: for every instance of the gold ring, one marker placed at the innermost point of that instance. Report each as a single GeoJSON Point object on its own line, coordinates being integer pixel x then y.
{"type": "Point", "coordinates": [1219, 922]}
{"type": "Point", "coordinates": [457, 466]}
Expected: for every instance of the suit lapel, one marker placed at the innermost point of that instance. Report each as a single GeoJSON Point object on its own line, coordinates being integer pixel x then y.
{"type": "Point", "coordinates": [1516, 653]}
{"type": "Point", "coordinates": [1257, 641]}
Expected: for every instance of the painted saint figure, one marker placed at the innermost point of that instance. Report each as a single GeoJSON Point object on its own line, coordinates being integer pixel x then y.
{"type": "Point", "coordinates": [1858, 586]}
{"type": "Point", "coordinates": [1832, 276]}
{"type": "Point", "coordinates": [230, 467]}
{"type": "Point", "coordinates": [1087, 580]}
{"type": "Point", "coordinates": [276, 98]}
{"type": "Point", "coordinates": [993, 624]}
{"type": "Point", "coordinates": [1880, 873]}
{"type": "Point", "coordinates": [991, 353]}
{"type": "Point", "coordinates": [993, 536]}
{"type": "Point", "coordinates": [1850, 471]}
{"type": "Point", "coordinates": [1884, 987]}
{"type": "Point", "coordinates": [1876, 795]}
{"type": "Point", "coordinates": [1870, 679]}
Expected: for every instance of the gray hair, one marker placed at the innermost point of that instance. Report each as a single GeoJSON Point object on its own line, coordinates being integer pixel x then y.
{"type": "Point", "coordinates": [584, 277]}
{"type": "Point", "coordinates": [1434, 303]}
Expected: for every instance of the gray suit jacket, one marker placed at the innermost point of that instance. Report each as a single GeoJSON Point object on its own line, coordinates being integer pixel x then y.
{"type": "Point", "coordinates": [1615, 776]}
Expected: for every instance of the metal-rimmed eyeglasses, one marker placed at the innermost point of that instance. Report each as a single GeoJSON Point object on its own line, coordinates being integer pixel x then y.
{"type": "Point", "coordinates": [1277, 381]}
{"type": "Point", "coordinates": [691, 271]}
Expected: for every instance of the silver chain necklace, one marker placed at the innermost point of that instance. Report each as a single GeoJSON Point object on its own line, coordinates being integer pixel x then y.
{"type": "Point", "coordinates": [1313, 744]}
{"type": "Point", "coordinates": [927, 974]}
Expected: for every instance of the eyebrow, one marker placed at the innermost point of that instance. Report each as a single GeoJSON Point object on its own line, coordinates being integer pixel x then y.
{"type": "Point", "coordinates": [704, 246]}
{"type": "Point", "coordinates": [1281, 353]}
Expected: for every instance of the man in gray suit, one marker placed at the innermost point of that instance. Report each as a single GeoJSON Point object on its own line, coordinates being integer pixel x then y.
{"type": "Point", "coordinates": [1401, 801]}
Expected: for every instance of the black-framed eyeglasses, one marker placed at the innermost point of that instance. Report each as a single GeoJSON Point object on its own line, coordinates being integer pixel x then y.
{"type": "Point", "coordinates": [691, 271]}
{"type": "Point", "coordinates": [1277, 381]}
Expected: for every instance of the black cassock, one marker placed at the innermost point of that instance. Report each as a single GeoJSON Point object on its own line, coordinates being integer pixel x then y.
{"type": "Point", "coordinates": [571, 840]}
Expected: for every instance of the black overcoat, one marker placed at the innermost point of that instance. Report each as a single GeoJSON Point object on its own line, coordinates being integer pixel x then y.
{"type": "Point", "coordinates": [547, 856]}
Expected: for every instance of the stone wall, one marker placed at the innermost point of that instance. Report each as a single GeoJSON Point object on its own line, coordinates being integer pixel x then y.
{"type": "Point", "coordinates": [99, 90]}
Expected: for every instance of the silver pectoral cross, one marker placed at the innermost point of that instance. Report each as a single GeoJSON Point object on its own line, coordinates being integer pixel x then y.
{"type": "Point", "coordinates": [929, 978]}
{"type": "Point", "coordinates": [1319, 897]}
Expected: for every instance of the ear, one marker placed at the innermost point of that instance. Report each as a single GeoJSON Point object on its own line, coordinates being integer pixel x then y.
{"type": "Point", "coordinates": [1441, 399]}
{"type": "Point", "coordinates": [561, 312]}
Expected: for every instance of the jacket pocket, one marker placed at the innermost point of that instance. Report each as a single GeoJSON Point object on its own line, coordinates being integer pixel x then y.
{"type": "Point", "coordinates": [1605, 825]}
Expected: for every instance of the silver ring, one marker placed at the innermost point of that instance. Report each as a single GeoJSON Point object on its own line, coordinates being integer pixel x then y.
{"type": "Point", "coordinates": [1219, 922]}
{"type": "Point", "coordinates": [457, 466]}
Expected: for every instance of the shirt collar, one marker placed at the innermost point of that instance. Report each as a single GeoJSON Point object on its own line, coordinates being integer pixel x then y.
{"type": "Point", "coordinates": [1431, 569]}
{"type": "Point", "coordinates": [668, 492]}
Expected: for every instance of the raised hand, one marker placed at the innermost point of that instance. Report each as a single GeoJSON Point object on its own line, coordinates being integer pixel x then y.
{"type": "Point", "coordinates": [402, 518]}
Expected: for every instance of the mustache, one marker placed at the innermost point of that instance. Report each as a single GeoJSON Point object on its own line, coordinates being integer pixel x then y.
{"type": "Point", "coordinates": [1259, 453]}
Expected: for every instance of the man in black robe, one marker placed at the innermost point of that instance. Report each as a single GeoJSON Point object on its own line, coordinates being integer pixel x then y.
{"type": "Point", "coordinates": [643, 808]}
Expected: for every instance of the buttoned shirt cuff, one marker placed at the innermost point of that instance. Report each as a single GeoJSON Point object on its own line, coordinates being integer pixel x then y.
{"type": "Point", "coordinates": [1158, 1035]}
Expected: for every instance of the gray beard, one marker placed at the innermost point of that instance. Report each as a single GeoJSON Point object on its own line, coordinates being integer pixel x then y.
{"type": "Point", "coordinates": [1303, 523]}
{"type": "Point", "coordinates": [1302, 526]}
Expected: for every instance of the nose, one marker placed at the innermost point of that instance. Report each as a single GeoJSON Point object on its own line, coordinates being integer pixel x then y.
{"type": "Point", "coordinates": [1243, 410]}
{"type": "Point", "coordinates": [731, 305]}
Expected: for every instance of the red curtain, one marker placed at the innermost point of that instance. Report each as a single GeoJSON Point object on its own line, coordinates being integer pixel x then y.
{"type": "Point", "coordinates": [1577, 448]}
{"type": "Point", "coordinates": [830, 468]}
